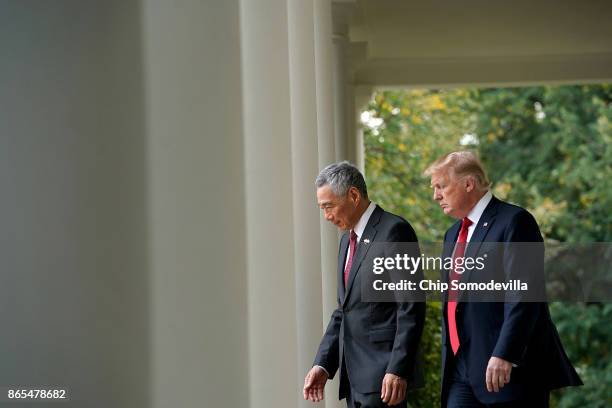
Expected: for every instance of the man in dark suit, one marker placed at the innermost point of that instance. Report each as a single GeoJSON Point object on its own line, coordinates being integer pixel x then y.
{"type": "Point", "coordinates": [373, 344]}
{"type": "Point", "coordinates": [504, 353]}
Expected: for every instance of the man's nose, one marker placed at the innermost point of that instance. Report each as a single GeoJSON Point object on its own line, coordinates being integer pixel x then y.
{"type": "Point", "coordinates": [328, 216]}
{"type": "Point", "coordinates": [437, 196]}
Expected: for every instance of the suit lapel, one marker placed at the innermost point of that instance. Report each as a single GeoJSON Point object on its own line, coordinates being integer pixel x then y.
{"type": "Point", "coordinates": [368, 235]}
{"type": "Point", "coordinates": [480, 233]}
{"type": "Point", "coordinates": [344, 244]}
{"type": "Point", "coordinates": [451, 238]}
{"type": "Point", "coordinates": [482, 228]}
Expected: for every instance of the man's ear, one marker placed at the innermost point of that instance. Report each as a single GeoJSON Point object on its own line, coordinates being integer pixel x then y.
{"type": "Point", "coordinates": [354, 195]}
{"type": "Point", "coordinates": [470, 185]}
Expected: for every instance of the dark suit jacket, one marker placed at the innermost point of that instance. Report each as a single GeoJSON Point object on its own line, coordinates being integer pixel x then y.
{"type": "Point", "coordinates": [371, 339]}
{"type": "Point", "coordinates": [520, 332]}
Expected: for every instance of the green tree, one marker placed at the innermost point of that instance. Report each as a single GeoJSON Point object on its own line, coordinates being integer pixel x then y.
{"type": "Point", "coordinates": [550, 149]}
{"type": "Point", "coordinates": [403, 131]}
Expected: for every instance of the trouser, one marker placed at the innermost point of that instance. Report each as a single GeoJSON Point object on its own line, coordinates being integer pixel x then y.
{"type": "Point", "coordinates": [371, 400]}
{"type": "Point", "coordinates": [461, 395]}
{"type": "Point", "coordinates": [355, 399]}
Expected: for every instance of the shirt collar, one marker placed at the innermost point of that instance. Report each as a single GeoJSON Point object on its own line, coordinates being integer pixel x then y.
{"type": "Point", "coordinates": [363, 221]}
{"type": "Point", "coordinates": [479, 208]}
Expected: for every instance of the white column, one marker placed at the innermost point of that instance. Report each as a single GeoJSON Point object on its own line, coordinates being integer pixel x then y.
{"type": "Point", "coordinates": [74, 285]}
{"type": "Point", "coordinates": [327, 152]}
{"type": "Point", "coordinates": [341, 132]}
{"type": "Point", "coordinates": [358, 97]}
{"type": "Point", "coordinates": [351, 128]}
{"type": "Point", "coordinates": [304, 130]}
{"type": "Point", "coordinates": [196, 209]}
{"type": "Point", "coordinates": [325, 85]}
{"type": "Point", "coordinates": [326, 117]}
{"type": "Point", "coordinates": [267, 128]}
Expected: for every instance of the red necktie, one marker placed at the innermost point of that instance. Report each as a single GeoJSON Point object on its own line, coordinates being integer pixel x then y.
{"type": "Point", "coordinates": [452, 304]}
{"type": "Point", "coordinates": [347, 268]}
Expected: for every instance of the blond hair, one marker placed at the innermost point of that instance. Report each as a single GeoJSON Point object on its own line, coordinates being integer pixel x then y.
{"type": "Point", "coordinates": [461, 164]}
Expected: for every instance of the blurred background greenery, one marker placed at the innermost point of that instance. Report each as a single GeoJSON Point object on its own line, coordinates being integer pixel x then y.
{"type": "Point", "coordinates": [546, 148]}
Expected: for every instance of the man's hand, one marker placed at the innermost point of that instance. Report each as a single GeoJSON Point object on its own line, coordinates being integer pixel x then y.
{"type": "Point", "coordinates": [314, 384]}
{"type": "Point", "coordinates": [393, 389]}
{"type": "Point", "coordinates": [498, 373]}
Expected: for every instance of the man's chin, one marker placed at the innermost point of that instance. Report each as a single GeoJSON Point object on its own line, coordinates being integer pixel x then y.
{"type": "Point", "coordinates": [449, 211]}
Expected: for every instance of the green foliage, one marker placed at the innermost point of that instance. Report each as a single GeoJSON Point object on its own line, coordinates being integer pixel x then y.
{"type": "Point", "coordinates": [548, 149]}
{"type": "Point", "coordinates": [587, 335]}
{"type": "Point", "coordinates": [429, 396]}
{"type": "Point", "coordinates": [417, 127]}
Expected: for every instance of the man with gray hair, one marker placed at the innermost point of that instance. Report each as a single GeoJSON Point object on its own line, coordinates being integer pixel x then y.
{"type": "Point", "coordinates": [374, 345]}
{"type": "Point", "coordinates": [494, 354]}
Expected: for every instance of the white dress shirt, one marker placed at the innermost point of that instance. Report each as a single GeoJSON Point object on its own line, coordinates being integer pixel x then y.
{"type": "Point", "coordinates": [476, 213]}
{"type": "Point", "coordinates": [360, 227]}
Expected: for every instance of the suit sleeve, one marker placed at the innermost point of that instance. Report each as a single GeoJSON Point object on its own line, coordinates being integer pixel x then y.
{"type": "Point", "coordinates": [410, 316]}
{"type": "Point", "coordinates": [525, 262]}
{"type": "Point", "coordinates": [328, 354]}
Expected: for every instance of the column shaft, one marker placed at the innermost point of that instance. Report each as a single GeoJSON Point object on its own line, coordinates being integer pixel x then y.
{"type": "Point", "coordinates": [196, 197]}
{"type": "Point", "coordinates": [326, 118]}
{"type": "Point", "coordinates": [272, 333]}
{"type": "Point", "coordinates": [304, 143]}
